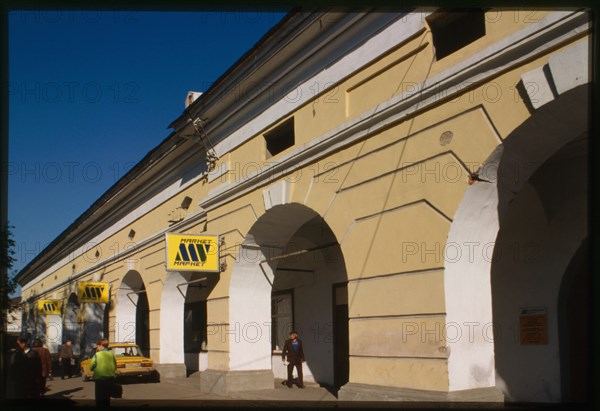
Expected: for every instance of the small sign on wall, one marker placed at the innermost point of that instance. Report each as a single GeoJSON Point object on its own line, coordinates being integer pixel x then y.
{"type": "Point", "coordinates": [49, 307]}
{"type": "Point", "coordinates": [189, 252]}
{"type": "Point", "coordinates": [533, 326]}
{"type": "Point", "coordinates": [89, 292]}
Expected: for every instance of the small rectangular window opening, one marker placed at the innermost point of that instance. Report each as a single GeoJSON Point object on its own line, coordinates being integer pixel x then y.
{"type": "Point", "coordinates": [282, 318]}
{"type": "Point", "coordinates": [453, 29]}
{"type": "Point", "coordinates": [280, 138]}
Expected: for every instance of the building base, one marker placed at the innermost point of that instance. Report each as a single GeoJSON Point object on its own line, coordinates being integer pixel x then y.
{"type": "Point", "coordinates": [171, 370]}
{"type": "Point", "coordinates": [223, 382]}
{"type": "Point", "coordinates": [364, 392]}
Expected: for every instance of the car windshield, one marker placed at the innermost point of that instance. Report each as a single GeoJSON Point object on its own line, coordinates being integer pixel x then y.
{"type": "Point", "coordinates": [131, 351]}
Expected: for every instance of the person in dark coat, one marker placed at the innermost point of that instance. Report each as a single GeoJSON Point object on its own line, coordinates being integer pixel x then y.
{"type": "Point", "coordinates": [16, 385]}
{"type": "Point", "coordinates": [295, 357]}
{"type": "Point", "coordinates": [34, 373]}
{"type": "Point", "coordinates": [46, 361]}
{"type": "Point", "coordinates": [65, 359]}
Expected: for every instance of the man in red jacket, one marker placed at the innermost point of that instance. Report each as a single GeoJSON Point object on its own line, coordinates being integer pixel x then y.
{"type": "Point", "coordinates": [295, 356]}
{"type": "Point", "coordinates": [46, 360]}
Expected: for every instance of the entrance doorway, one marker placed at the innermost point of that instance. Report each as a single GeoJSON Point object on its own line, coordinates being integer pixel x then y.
{"type": "Point", "coordinates": [575, 328]}
{"type": "Point", "coordinates": [538, 283]}
{"type": "Point", "coordinates": [283, 280]}
{"type": "Point", "coordinates": [71, 324]}
{"type": "Point", "coordinates": [142, 321]}
{"type": "Point", "coordinates": [133, 312]}
{"type": "Point", "coordinates": [341, 350]}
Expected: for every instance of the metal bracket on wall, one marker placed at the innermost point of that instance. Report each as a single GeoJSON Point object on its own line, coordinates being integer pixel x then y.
{"type": "Point", "coordinates": [188, 283]}
{"type": "Point", "coordinates": [134, 292]}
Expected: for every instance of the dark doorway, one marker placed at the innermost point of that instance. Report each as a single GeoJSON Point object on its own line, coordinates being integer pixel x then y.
{"type": "Point", "coordinates": [142, 321]}
{"type": "Point", "coordinates": [194, 333]}
{"type": "Point", "coordinates": [574, 325]}
{"type": "Point", "coordinates": [341, 350]}
{"type": "Point", "coordinates": [194, 330]}
{"type": "Point", "coordinates": [106, 322]}
{"type": "Point", "coordinates": [72, 326]}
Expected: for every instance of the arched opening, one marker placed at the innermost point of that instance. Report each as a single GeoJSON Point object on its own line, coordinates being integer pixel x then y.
{"type": "Point", "coordinates": [72, 324]}
{"type": "Point", "coordinates": [142, 321]}
{"type": "Point", "coordinates": [24, 320]}
{"type": "Point", "coordinates": [291, 273]}
{"type": "Point", "coordinates": [53, 332]}
{"type": "Point", "coordinates": [195, 320]}
{"type": "Point", "coordinates": [519, 229]}
{"type": "Point", "coordinates": [133, 314]}
{"type": "Point", "coordinates": [40, 327]}
{"type": "Point", "coordinates": [28, 324]}
{"type": "Point", "coordinates": [184, 314]}
{"type": "Point", "coordinates": [541, 231]}
{"type": "Point", "coordinates": [93, 329]}
{"type": "Point", "coordinates": [106, 321]}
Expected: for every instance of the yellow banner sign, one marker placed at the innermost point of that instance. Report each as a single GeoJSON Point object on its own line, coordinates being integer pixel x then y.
{"type": "Point", "coordinates": [192, 253]}
{"type": "Point", "coordinates": [93, 292]}
{"type": "Point", "coordinates": [48, 307]}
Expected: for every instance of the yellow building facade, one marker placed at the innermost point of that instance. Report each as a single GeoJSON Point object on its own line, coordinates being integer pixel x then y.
{"type": "Point", "coordinates": [407, 190]}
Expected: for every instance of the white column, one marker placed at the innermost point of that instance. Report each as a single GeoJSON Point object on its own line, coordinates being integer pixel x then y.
{"type": "Point", "coordinates": [126, 308]}
{"type": "Point", "coordinates": [171, 319]}
{"type": "Point", "coordinates": [54, 330]}
{"type": "Point", "coordinates": [468, 290]}
{"type": "Point", "coordinates": [250, 313]}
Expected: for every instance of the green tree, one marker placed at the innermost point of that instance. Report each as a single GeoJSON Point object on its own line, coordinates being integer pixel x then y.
{"type": "Point", "coordinates": [7, 287]}
{"type": "Point", "coordinates": [7, 282]}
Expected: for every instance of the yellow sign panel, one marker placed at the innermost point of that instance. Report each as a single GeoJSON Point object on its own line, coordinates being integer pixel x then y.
{"type": "Point", "coordinates": [93, 292]}
{"type": "Point", "coordinates": [48, 307]}
{"type": "Point", "coordinates": [192, 253]}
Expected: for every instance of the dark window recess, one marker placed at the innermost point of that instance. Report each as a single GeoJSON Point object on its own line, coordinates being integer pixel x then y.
{"type": "Point", "coordinates": [186, 203]}
{"type": "Point", "coordinates": [454, 29]}
{"type": "Point", "coordinates": [280, 138]}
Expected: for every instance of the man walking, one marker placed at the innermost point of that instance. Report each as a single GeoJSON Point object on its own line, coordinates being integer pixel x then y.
{"type": "Point", "coordinates": [66, 359]}
{"type": "Point", "coordinates": [46, 361]}
{"type": "Point", "coordinates": [295, 356]}
{"type": "Point", "coordinates": [104, 367]}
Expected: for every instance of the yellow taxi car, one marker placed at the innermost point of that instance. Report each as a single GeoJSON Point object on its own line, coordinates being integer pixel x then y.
{"type": "Point", "coordinates": [130, 362]}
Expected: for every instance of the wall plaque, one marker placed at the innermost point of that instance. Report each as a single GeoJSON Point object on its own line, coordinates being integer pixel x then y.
{"type": "Point", "coordinates": [533, 326]}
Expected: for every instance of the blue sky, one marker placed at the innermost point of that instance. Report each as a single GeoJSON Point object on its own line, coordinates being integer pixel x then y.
{"type": "Point", "coordinates": [90, 93]}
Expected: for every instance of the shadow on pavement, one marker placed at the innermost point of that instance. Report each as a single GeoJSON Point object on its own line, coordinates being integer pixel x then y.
{"type": "Point", "coordinates": [332, 390]}
{"type": "Point", "coordinates": [138, 380]}
{"type": "Point", "coordinates": [56, 400]}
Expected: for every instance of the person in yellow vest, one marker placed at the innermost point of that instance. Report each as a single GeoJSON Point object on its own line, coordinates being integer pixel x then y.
{"type": "Point", "coordinates": [104, 367]}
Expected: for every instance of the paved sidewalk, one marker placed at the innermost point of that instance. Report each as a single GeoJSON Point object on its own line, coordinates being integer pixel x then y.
{"type": "Point", "coordinates": [185, 392]}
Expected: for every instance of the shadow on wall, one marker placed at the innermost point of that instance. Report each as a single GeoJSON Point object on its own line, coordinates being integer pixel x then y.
{"type": "Point", "coordinates": [542, 209]}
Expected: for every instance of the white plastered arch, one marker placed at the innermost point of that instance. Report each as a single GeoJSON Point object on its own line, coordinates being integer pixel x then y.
{"type": "Point", "coordinates": [467, 280]}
